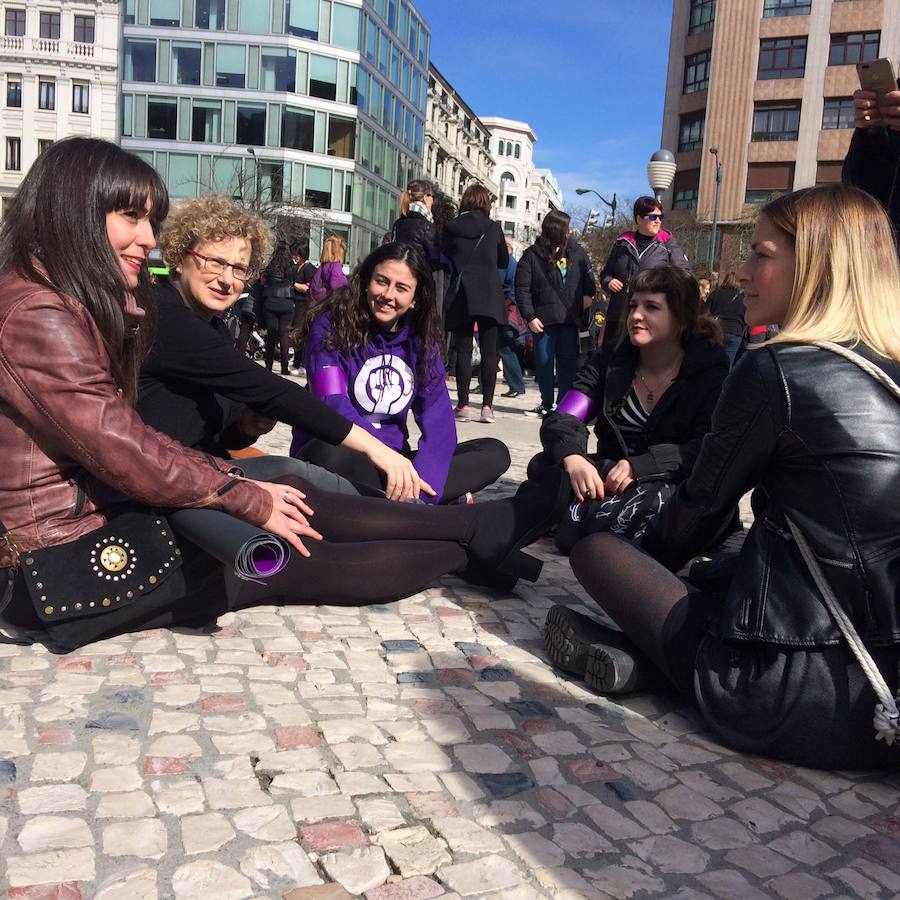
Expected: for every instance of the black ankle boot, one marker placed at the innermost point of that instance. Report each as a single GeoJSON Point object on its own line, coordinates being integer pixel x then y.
{"type": "Point", "coordinates": [501, 528]}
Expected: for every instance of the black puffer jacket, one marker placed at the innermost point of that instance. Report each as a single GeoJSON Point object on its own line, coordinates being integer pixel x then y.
{"type": "Point", "coordinates": [820, 440]}
{"type": "Point", "coordinates": [675, 428]}
{"type": "Point", "coordinates": [414, 229]}
{"type": "Point", "coordinates": [540, 290]}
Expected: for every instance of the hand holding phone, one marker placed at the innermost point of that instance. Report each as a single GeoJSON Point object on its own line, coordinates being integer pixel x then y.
{"type": "Point", "coordinates": [877, 104]}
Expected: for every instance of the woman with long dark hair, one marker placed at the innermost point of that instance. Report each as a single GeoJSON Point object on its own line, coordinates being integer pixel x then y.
{"type": "Point", "coordinates": [372, 351]}
{"type": "Point", "coordinates": [810, 420]}
{"type": "Point", "coordinates": [554, 285]}
{"type": "Point", "coordinates": [83, 476]}
{"type": "Point", "coordinates": [477, 248]}
{"type": "Point", "coordinates": [277, 304]}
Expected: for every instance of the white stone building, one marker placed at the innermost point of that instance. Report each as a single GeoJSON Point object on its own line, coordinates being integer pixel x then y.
{"type": "Point", "coordinates": [457, 143]}
{"type": "Point", "coordinates": [527, 193]}
{"type": "Point", "coordinates": [58, 77]}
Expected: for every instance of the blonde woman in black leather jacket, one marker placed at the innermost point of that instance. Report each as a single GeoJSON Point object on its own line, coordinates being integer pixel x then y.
{"type": "Point", "coordinates": [818, 439]}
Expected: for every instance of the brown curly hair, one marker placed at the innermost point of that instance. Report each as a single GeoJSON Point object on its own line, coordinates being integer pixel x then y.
{"type": "Point", "coordinates": [203, 220]}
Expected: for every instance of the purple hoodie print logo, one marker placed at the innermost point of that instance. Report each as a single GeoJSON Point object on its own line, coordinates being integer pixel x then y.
{"type": "Point", "coordinates": [384, 386]}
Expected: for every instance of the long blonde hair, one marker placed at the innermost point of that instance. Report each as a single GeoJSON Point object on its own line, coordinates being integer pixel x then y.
{"type": "Point", "coordinates": [847, 274]}
{"type": "Point", "coordinates": [333, 249]}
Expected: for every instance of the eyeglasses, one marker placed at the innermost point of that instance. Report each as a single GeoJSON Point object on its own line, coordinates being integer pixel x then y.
{"type": "Point", "coordinates": [654, 217]}
{"type": "Point", "coordinates": [216, 266]}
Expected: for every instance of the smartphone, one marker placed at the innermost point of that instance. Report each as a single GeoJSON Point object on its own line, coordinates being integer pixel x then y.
{"type": "Point", "coordinates": [877, 75]}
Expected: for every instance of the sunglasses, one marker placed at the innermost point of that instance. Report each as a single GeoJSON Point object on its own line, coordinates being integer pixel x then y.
{"type": "Point", "coordinates": [655, 217]}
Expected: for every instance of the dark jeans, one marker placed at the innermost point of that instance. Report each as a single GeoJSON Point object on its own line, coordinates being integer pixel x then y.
{"type": "Point", "coordinates": [556, 355]}
{"type": "Point", "coordinates": [278, 331]}
{"type": "Point", "coordinates": [487, 341]}
{"type": "Point", "coordinates": [732, 345]}
{"type": "Point", "coordinates": [512, 366]}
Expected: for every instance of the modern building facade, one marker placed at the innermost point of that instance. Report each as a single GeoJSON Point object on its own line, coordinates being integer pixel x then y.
{"type": "Point", "coordinates": [768, 84]}
{"type": "Point", "coordinates": [526, 193]}
{"type": "Point", "coordinates": [457, 143]}
{"type": "Point", "coordinates": [58, 77]}
{"type": "Point", "coordinates": [314, 110]}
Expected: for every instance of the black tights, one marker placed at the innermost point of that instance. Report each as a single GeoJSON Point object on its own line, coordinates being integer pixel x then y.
{"type": "Point", "coordinates": [662, 614]}
{"type": "Point", "coordinates": [475, 465]}
{"type": "Point", "coordinates": [372, 550]}
{"type": "Point", "coordinates": [487, 341]}
{"type": "Point", "coordinates": [278, 331]}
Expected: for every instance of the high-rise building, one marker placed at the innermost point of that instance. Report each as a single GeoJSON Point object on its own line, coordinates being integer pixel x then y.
{"type": "Point", "coordinates": [312, 109]}
{"type": "Point", "coordinates": [768, 84]}
{"type": "Point", "coordinates": [527, 193]}
{"type": "Point", "coordinates": [58, 77]}
{"type": "Point", "coordinates": [457, 143]}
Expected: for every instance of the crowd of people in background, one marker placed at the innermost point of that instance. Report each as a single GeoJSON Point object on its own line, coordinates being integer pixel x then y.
{"type": "Point", "coordinates": [136, 398]}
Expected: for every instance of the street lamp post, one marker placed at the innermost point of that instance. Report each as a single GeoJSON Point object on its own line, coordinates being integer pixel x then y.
{"type": "Point", "coordinates": [715, 221]}
{"type": "Point", "coordinates": [661, 172]}
{"type": "Point", "coordinates": [610, 203]}
{"type": "Point", "coordinates": [252, 152]}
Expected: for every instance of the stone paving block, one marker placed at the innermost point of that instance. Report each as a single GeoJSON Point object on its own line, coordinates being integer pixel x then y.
{"type": "Point", "coordinates": [379, 814]}
{"type": "Point", "coordinates": [205, 833]}
{"type": "Point", "coordinates": [469, 879]}
{"type": "Point", "coordinates": [282, 862]}
{"type": "Point", "coordinates": [413, 851]}
{"type": "Point", "coordinates": [54, 833]}
{"type": "Point", "coordinates": [359, 870]}
{"type": "Point", "coordinates": [51, 867]}
{"type": "Point", "coordinates": [332, 836]}
{"type": "Point", "coordinates": [416, 888]}
{"type": "Point", "coordinates": [58, 766]}
{"type": "Point", "coordinates": [52, 798]}
{"type": "Point", "coordinates": [729, 883]}
{"type": "Point", "coordinates": [483, 758]}
{"type": "Point", "coordinates": [319, 892]}
{"type": "Point", "coordinates": [535, 851]}
{"type": "Point", "coordinates": [317, 809]}
{"type": "Point", "coordinates": [138, 884]}
{"type": "Point", "coordinates": [799, 886]}
{"type": "Point", "coordinates": [144, 838]}
{"type": "Point", "coordinates": [210, 878]}
{"type": "Point", "coordinates": [759, 861]}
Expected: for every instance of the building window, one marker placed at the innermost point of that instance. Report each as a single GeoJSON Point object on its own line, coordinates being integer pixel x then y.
{"type": "Point", "coordinates": [786, 8]}
{"type": "Point", "coordinates": [518, 151]}
{"type": "Point", "coordinates": [206, 121]}
{"type": "Point", "coordinates": [210, 14]}
{"type": "Point", "coordinates": [49, 26]}
{"type": "Point", "coordinates": [776, 122]}
{"type": "Point", "coordinates": [317, 188]}
{"type": "Point", "coordinates": [165, 13]}
{"type": "Point", "coordinates": [690, 132]}
{"type": "Point", "coordinates": [297, 129]}
{"type": "Point", "coordinates": [162, 118]}
{"type": "Point", "coordinates": [829, 172]}
{"type": "Point", "coordinates": [14, 154]}
{"type": "Point", "coordinates": [768, 180]}
{"type": "Point", "coordinates": [509, 228]}
{"type": "Point", "coordinates": [15, 24]}
{"type": "Point", "coordinates": [686, 189]}
{"type": "Point", "coordinates": [702, 16]}
{"type": "Point", "coordinates": [140, 60]}
{"type": "Point", "coordinates": [782, 58]}
{"type": "Point", "coordinates": [81, 98]}
{"type": "Point", "coordinates": [185, 63]}
{"type": "Point", "coordinates": [251, 124]}
{"type": "Point", "coordinates": [341, 137]}
{"type": "Point", "coordinates": [509, 202]}
{"type": "Point", "coordinates": [46, 95]}
{"type": "Point", "coordinates": [686, 199]}
{"type": "Point", "coordinates": [254, 18]}
{"type": "Point", "coordinates": [278, 69]}
{"type": "Point", "coordinates": [43, 144]}
{"type": "Point", "coordinates": [849, 49]}
{"type": "Point", "coordinates": [507, 176]}
{"type": "Point", "coordinates": [84, 29]}
{"type": "Point", "coordinates": [696, 72]}
{"type": "Point", "coordinates": [838, 113]}
{"type": "Point", "coordinates": [301, 19]}
{"type": "Point", "coordinates": [231, 65]}
{"type": "Point", "coordinates": [345, 26]}
{"type": "Point", "coordinates": [323, 78]}
{"type": "Point", "coordinates": [14, 93]}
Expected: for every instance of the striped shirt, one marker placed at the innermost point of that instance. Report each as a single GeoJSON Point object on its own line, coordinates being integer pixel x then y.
{"type": "Point", "coordinates": [630, 419]}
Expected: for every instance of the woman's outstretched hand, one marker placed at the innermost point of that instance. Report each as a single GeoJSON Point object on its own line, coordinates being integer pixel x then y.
{"type": "Point", "coordinates": [289, 515]}
{"type": "Point", "coordinates": [586, 481]}
{"type": "Point", "coordinates": [403, 481]}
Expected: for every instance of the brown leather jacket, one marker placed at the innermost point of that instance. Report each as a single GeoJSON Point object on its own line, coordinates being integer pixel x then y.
{"type": "Point", "coordinates": [69, 440]}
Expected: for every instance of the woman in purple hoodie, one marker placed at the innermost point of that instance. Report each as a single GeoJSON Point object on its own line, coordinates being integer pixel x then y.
{"type": "Point", "coordinates": [372, 352]}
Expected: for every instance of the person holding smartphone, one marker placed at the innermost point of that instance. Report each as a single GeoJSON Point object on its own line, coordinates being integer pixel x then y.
{"type": "Point", "coordinates": [873, 160]}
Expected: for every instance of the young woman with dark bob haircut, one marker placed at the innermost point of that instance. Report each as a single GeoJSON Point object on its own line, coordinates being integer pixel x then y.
{"type": "Point", "coordinates": [816, 434]}
{"type": "Point", "coordinates": [651, 397]}
{"type": "Point", "coordinates": [477, 248]}
{"type": "Point", "coordinates": [372, 351]}
{"type": "Point", "coordinates": [79, 463]}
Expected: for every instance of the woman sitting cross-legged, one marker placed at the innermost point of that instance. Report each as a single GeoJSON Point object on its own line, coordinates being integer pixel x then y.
{"type": "Point", "coordinates": [811, 420]}
{"type": "Point", "coordinates": [85, 480]}
{"type": "Point", "coordinates": [651, 397]}
{"type": "Point", "coordinates": [372, 351]}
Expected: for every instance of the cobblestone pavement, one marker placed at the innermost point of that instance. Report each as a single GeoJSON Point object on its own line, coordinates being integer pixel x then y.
{"type": "Point", "coordinates": [412, 750]}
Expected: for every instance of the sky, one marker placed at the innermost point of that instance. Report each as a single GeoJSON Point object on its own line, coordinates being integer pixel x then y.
{"type": "Point", "coordinates": [589, 76]}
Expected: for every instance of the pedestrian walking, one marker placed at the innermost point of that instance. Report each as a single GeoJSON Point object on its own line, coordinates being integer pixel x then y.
{"type": "Point", "coordinates": [330, 274]}
{"type": "Point", "coordinates": [511, 338]}
{"type": "Point", "coordinates": [554, 286]}
{"type": "Point", "coordinates": [647, 247]}
{"type": "Point", "coordinates": [477, 248]}
{"type": "Point", "coordinates": [277, 305]}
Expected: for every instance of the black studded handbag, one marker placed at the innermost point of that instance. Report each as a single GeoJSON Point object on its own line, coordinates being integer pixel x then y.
{"type": "Point", "coordinates": [113, 566]}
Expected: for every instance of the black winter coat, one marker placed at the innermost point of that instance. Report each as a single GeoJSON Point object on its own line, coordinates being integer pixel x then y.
{"type": "Point", "coordinates": [481, 293]}
{"type": "Point", "coordinates": [819, 440]}
{"type": "Point", "coordinates": [873, 164]}
{"type": "Point", "coordinates": [624, 262]}
{"type": "Point", "coordinates": [727, 305]}
{"type": "Point", "coordinates": [414, 229]}
{"type": "Point", "coordinates": [540, 291]}
{"type": "Point", "coordinates": [675, 428]}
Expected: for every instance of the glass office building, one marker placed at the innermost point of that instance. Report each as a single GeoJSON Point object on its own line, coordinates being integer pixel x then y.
{"type": "Point", "coordinates": [314, 109]}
